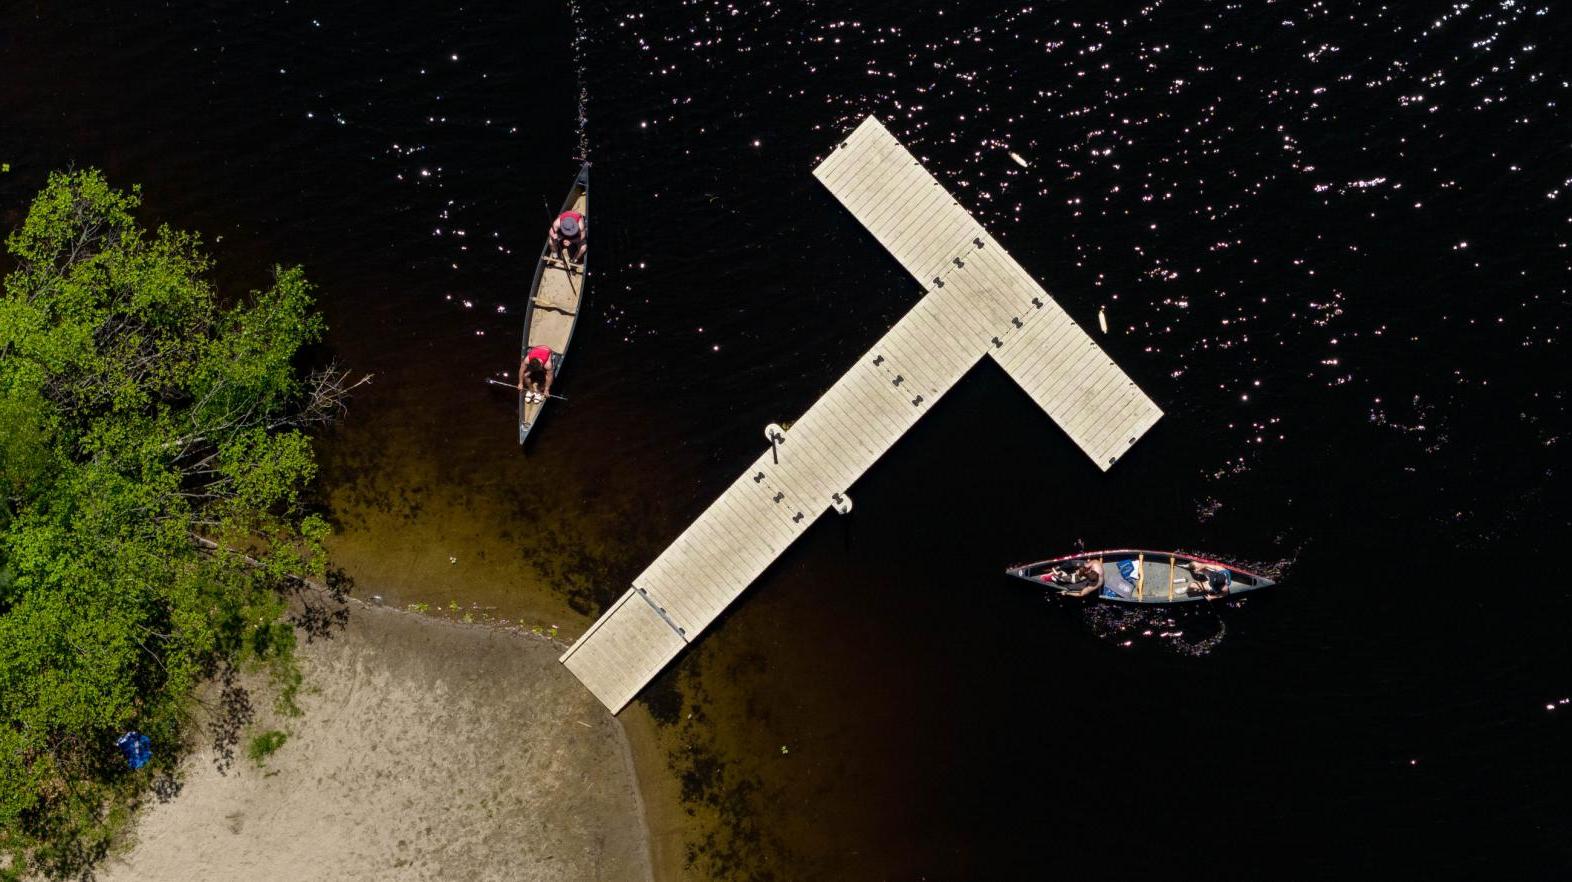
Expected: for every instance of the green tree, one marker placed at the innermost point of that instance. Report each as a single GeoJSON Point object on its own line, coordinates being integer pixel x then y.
{"type": "Point", "coordinates": [152, 531]}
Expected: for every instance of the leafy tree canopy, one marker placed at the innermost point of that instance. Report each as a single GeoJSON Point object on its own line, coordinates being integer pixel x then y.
{"type": "Point", "coordinates": [152, 461]}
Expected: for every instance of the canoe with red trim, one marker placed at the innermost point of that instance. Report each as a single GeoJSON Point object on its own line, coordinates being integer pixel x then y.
{"type": "Point", "coordinates": [1134, 575]}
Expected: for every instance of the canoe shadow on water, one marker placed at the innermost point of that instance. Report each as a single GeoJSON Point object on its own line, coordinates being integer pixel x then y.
{"type": "Point", "coordinates": [1191, 629]}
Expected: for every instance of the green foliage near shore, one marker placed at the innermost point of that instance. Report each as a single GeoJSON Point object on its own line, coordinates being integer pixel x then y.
{"type": "Point", "coordinates": [152, 462]}
{"type": "Point", "coordinates": [262, 746]}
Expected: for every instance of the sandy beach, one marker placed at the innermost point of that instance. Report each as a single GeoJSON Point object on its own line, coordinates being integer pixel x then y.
{"type": "Point", "coordinates": [428, 749]}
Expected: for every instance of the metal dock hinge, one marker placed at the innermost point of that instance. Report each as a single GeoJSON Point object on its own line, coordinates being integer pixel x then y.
{"type": "Point", "coordinates": [853, 424]}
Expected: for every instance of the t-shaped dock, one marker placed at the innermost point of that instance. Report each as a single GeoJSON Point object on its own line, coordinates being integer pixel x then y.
{"type": "Point", "coordinates": [978, 302]}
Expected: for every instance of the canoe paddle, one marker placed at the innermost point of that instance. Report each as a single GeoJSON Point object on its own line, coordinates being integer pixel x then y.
{"type": "Point", "coordinates": [495, 382]}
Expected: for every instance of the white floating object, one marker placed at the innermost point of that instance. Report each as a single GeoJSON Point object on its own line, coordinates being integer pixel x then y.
{"type": "Point", "coordinates": [1018, 160]}
{"type": "Point", "coordinates": [1102, 319]}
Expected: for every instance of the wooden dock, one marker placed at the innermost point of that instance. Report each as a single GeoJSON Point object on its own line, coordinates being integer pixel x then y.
{"type": "Point", "coordinates": [978, 301]}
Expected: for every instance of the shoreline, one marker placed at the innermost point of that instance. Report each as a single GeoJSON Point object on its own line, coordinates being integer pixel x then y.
{"type": "Point", "coordinates": [428, 748]}
{"type": "Point", "coordinates": [657, 791]}
{"type": "Point", "coordinates": [660, 794]}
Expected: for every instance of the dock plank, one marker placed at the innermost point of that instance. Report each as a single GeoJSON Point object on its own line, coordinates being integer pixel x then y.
{"type": "Point", "coordinates": [977, 301]}
{"type": "Point", "coordinates": [623, 650]}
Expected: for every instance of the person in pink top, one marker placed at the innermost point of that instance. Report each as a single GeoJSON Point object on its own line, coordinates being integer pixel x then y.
{"type": "Point", "coordinates": [536, 373]}
{"type": "Point", "coordinates": [569, 233]}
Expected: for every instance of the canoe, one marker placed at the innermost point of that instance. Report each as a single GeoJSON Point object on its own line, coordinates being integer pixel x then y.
{"type": "Point", "coordinates": [1146, 577]}
{"type": "Point", "coordinates": [552, 308]}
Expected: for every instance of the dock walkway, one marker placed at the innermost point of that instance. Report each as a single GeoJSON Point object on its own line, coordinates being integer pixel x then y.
{"type": "Point", "coordinates": [978, 301]}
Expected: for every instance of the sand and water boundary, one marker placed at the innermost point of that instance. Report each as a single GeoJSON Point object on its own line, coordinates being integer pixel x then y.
{"type": "Point", "coordinates": [428, 749]}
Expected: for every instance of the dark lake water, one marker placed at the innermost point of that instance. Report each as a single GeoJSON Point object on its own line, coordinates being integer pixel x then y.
{"type": "Point", "coordinates": [1331, 240]}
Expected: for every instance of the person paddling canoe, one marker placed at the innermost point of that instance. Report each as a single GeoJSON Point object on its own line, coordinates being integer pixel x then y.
{"type": "Point", "coordinates": [1210, 582]}
{"type": "Point", "coordinates": [536, 373]}
{"type": "Point", "coordinates": [1082, 579]}
{"type": "Point", "coordinates": [569, 234]}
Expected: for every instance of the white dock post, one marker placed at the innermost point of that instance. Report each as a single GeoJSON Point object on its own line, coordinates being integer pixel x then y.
{"type": "Point", "coordinates": [977, 302]}
{"type": "Point", "coordinates": [774, 434]}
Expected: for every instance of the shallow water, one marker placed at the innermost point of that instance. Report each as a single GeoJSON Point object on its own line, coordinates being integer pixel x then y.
{"type": "Point", "coordinates": [1331, 242]}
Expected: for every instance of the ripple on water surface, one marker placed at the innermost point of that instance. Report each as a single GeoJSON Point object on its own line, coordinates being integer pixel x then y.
{"type": "Point", "coordinates": [1330, 240]}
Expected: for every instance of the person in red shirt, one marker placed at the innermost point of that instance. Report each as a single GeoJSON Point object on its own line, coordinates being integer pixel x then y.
{"type": "Point", "coordinates": [569, 233]}
{"type": "Point", "coordinates": [536, 373]}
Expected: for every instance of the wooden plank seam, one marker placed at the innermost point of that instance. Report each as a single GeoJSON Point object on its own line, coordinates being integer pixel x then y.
{"type": "Point", "coordinates": [976, 301]}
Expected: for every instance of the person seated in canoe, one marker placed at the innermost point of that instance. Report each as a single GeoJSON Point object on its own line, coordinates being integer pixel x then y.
{"type": "Point", "coordinates": [569, 235]}
{"type": "Point", "coordinates": [536, 373]}
{"type": "Point", "coordinates": [1061, 574]}
{"type": "Point", "coordinates": [1208, 581]}
{"type": "Point", "coordinates": [1081, 580]}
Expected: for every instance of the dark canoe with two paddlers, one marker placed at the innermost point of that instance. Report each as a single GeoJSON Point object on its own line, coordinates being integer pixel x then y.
{"type": "Point", "coordinates": [552, 308]}
{"type": "Point", "coordinates": [1133, 575]}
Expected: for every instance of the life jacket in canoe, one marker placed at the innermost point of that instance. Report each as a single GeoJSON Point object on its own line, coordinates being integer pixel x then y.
{"type": "Point", "coordinates": [538, 353]}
